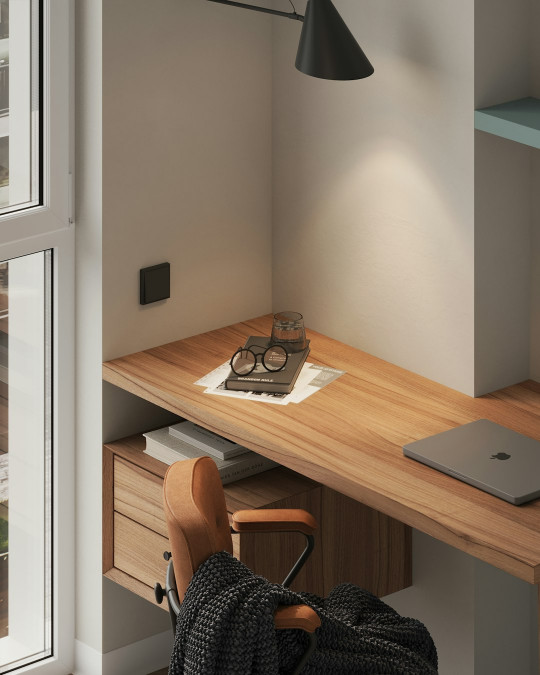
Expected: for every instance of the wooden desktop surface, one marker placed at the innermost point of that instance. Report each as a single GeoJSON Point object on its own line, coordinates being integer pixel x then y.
{"type": "Point", "coordinates": [350, 434]}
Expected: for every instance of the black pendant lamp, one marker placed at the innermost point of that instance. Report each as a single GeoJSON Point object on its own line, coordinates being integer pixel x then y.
{"type": "Point", "coordinates": [327, 47]}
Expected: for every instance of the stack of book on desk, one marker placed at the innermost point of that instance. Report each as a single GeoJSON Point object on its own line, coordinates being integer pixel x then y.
{"type": "Point", "coordinates": [186, 440]}
{"type": "Point", "coordinates": [276, 382]}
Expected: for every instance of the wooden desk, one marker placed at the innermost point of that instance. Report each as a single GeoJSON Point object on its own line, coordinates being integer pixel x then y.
{"type": "Point", "coordinates": [349, 436]}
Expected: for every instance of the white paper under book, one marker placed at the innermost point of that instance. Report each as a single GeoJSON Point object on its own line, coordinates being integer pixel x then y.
{"type": "Point", "coordinates": [167, 448]}
{"type": "Point", "coordinates": [206, 440]}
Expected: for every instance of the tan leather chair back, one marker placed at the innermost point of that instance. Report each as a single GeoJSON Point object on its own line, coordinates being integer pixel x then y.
{"type": "Point", "coordinates": [196, 514]}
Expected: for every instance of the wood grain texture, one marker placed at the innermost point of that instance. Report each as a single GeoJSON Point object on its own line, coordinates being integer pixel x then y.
{"type": "Point", "coordinates": [272, 555]}
{"type": "Point", "coordinates": [349, 436]}
{"type": "Point", "coordinates": [253, 492]}
{"type": "Point", "coordinates": [299, 617]}
{"type": "Point", "coordinates": [363, 546]}
{"type": "Point", "coordinates": [133, 511]}
{"type": "Point", "coordinates": [266, 489]}
{"type": "Point", "coordinates": [138, 551]}
{"type": "Point", "coordinates": [107, 551]}
{"type": "Point", "coordinates": [354, 543]}
{"type": "Point", "coordinates": [274, 520]}
{"type": "Point", "coordinates": [138, 494]}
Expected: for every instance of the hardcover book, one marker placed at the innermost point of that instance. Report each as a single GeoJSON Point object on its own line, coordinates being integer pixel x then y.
{"type": "Point", "coordinates": [168, 449]}
{"type": "Point", "coordinates": [206, 440]}
{"type": "Point", "coordinates": [281, 382]}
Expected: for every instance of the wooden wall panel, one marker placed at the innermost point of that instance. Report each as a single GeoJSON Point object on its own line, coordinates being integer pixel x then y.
{"type": "Point", "coordinates": [363, 546]}
{"type": "Point", "coordinates": [273, 555]}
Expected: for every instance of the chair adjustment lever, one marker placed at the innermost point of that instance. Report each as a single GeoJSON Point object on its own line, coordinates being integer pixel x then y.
{"type": "Point", "coordinates": [159, 593]}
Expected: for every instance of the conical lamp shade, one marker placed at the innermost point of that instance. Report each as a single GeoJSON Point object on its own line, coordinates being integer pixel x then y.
{"type": "Point", "coordinates": [327, 47]}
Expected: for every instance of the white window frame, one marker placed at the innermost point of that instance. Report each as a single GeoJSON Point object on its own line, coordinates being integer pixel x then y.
{"type": "Point", "coordinates": [50, 226]}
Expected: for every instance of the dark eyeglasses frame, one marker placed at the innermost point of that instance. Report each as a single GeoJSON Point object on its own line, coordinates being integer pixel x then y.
{"type": "Point", "coordinates": [257, 356]}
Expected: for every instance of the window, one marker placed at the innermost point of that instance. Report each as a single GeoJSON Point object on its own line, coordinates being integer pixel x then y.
{"type": "Point", "coordinates": [36, 338]}
{"type": "Point", "coordinates": [25, 457]}
{"type": "Point", "coordinates": [20, 67]}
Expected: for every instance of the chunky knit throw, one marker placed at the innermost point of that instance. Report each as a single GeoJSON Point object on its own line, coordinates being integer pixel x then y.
{"type": "Point", "coordinates": [225, 626]}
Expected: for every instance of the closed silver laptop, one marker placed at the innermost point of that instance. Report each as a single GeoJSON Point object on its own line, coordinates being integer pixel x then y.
{"type": "Point", "coordinates": [484, 454]}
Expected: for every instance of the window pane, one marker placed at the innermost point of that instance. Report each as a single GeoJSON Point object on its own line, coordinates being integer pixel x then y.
{"type": "Point", "coordinates": [25, 460]}
{"type": "Point", "coordinates": [19, 104]}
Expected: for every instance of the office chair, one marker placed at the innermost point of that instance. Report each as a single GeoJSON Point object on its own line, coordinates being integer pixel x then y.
{"type": "Point", "coordinates": [198, 527]}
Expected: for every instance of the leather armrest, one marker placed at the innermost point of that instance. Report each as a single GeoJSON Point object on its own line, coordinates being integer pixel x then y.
{"type": "Point", "coordinates": [274, 520]}
{"type": "Point", "coordinates": [296, 616]}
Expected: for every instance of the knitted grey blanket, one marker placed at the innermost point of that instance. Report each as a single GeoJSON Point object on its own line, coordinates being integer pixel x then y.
{"type": "Point", "coordinates": [225, 626]}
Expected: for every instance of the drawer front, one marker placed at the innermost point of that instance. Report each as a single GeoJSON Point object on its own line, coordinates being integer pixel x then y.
{"type": "Point", "coordinates": [138, 494]}
{"type": "Point", "coordinates": [138, 551]}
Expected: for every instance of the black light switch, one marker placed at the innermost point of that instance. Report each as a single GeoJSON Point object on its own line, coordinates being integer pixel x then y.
{"type": "Point", "coordinates": [155, 283]}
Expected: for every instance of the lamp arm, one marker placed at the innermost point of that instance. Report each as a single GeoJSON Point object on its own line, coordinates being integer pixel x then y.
{"type": "Point", "coordinates": [288, 15]}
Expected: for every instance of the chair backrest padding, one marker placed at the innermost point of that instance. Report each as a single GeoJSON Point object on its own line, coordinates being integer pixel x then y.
{"type": "Point", "coordinates": [196, 514]}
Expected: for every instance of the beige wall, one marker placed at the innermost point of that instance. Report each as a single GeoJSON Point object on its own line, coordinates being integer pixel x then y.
{"type": "Point", "coordinates": [88, 217]}
{"type": "Point", "coordinates": [534, 27]}
{"type": "Point", "coordinates": [373, 189]}
{"type": "Point", "coordinates": [535, 253]}
{"type": "Point", "coordinates": [186, 167]}
{"type": "Point", "coordinates": [535, 191]}
{"type": "Point", "coordinates": [502, 56]}
{"type": "Point", "coordinates": [507, 63]}
{"type": "Point", "coordinates": [503, 262]}
{"type": "Point", "coordinates": [186, 180]}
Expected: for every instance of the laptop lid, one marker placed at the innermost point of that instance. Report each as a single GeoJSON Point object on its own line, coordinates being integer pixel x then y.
{"type": "Point", "coordinates": [484, 454]}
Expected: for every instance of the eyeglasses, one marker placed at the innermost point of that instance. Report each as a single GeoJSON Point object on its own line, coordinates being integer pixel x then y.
{"type": "Point", "coordinates": [244, 360]}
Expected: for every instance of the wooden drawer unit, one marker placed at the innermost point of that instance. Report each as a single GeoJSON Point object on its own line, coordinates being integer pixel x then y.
{"type": "Point", "coordinates": [138, 551]}
{"type": "Point", "coordinates": [135, 531]}
{"type": "Point", "coordinates": [138, 495]}
{"type": "Point", "coordinates": [352, 543]}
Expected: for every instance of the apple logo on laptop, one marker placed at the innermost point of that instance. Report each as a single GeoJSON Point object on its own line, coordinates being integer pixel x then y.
{"type": "Point", "coordinates": [501, 456]}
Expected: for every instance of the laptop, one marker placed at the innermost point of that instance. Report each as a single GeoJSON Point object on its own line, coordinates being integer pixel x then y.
{"type": "Point", "coordinates": [484, 454]}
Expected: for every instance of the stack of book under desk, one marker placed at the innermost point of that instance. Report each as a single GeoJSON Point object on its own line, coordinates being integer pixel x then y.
{"type": "Point", "coordinates": [186, 440]}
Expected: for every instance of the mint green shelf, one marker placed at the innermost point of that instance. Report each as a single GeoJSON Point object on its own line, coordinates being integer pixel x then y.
{"type": "Point", "coordinates": [516, 120]}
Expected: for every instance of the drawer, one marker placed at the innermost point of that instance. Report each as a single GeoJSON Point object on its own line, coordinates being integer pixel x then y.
{"type": "Point", "coordinates": [138, 494]}
{"type": "Point", "coordinates": [138, 551]}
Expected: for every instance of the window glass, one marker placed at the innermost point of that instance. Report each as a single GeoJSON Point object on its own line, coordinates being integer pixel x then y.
{"type": "Point", "coordinates": [20, 67]}
{"type": "Point", "coordinates": [25, 460]}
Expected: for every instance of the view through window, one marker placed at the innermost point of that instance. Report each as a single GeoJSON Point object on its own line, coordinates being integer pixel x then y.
{"type": "Point", "coordinates": [25, 459]}
{"type": "Point", "coordinates": [26, 610]}
{"type": "Point", "coordinates": [19, 104]}
{"type": "Point", "coordinates": [4, 102]}
{"type": "Point", "coordinates": [4, 494]}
